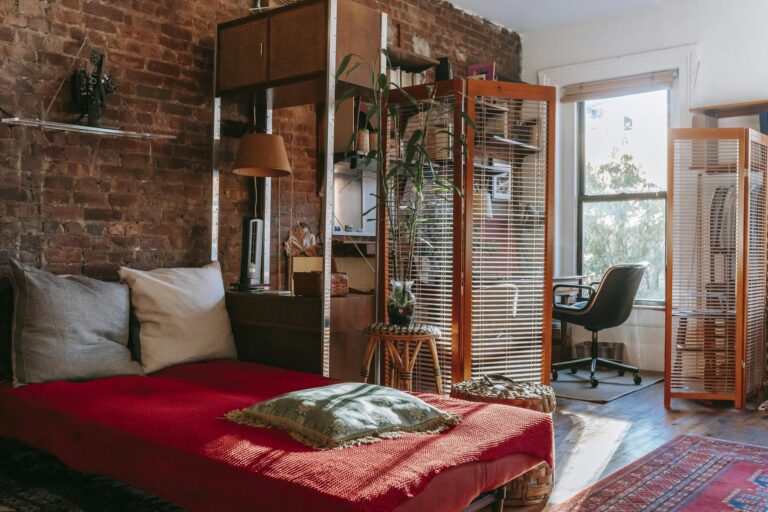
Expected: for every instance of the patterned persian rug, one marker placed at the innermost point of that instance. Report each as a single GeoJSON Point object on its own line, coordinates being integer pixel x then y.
{"type": "Point", "coordinates": [31, 481]}
{"type": "Point", "coordinates": [688, 474]}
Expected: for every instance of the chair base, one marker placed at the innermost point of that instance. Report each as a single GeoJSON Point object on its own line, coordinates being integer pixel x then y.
{"type": "Point", "coordinates": [593, 362]}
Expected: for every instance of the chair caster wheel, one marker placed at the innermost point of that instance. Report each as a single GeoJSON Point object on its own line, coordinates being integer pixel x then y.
{"type": "Point", "coordinates": [574, 370]}
{"type": "Point", "coordinates": [621, 373]}
{"type": "Point", "coordinates": [638, 379]}
{"type": "Point", "coordinates": [554, 375]}
{"type": "Point", "coordinates": [593, 382]}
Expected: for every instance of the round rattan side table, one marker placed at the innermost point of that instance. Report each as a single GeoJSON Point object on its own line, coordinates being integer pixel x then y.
{"type": "Point", "coordinates": [402, 346]}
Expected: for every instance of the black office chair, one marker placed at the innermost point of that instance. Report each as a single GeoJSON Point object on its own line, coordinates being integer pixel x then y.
{"type": "Point", "coordinates": [607, 306]}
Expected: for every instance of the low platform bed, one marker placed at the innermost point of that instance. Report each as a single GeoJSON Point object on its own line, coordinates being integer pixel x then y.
{"type": "Point", "coordinates": [166, 433]}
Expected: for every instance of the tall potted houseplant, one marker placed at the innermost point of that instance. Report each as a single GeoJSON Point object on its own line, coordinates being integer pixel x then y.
{"type": "Point", "coordinates": [404, 175]}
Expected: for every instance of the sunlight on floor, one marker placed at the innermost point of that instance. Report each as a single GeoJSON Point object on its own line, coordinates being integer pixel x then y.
{"type": "Point", "coordinates": [594, 439]}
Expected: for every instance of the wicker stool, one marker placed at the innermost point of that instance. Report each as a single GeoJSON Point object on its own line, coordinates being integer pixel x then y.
{"type": "Point", "coordinates": [497, 389]}
{"type": "Point", "coordinates": [531, 489]}
{"type": "Point", "coordinates": [403, 361]}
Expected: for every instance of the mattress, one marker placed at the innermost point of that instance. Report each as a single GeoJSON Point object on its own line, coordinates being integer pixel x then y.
{"type": "Point", "coordinates": [166, 434]}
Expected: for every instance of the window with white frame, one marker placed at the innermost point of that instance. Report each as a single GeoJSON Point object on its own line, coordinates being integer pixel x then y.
{"type": "Point", "coordinates": [622, 168]}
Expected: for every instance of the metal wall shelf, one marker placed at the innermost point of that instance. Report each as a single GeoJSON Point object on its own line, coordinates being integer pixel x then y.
{"type": "Point", "coordinates": [79, 128]}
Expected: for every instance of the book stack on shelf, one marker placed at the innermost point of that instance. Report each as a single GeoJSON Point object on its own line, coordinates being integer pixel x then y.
{"type": "Point", "coordinates": [407, 68]}
{"type": "Point", "coordinates": [401, 78]}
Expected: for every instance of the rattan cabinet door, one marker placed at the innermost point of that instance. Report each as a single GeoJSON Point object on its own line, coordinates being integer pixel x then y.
{"type": "Point", "coordinates": [242, 55]}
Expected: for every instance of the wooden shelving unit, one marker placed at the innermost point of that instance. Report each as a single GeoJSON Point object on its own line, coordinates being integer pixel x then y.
{"type": "Point", "coordinates": [749, 108]}
{"type": "Point", "coordinates": [409, 61]}
{"type": "Point", "coordinates": [287, 57]}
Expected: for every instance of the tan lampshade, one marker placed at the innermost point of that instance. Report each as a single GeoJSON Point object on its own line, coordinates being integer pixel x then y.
{"type": "Point", "coordinates": [262, 155]}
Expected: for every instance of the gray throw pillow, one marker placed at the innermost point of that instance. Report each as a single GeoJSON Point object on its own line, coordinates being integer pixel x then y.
{"type": "Point", "coordinates": [346, 414]}
{"type": "Point", "coordinates": [69, 328]}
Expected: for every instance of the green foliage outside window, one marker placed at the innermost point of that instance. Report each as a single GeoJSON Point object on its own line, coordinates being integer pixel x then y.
{"type": "Point", "coordinates": [624, 231]}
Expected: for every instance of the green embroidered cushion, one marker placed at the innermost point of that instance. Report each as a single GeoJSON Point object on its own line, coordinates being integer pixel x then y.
{"type": "Point", "coordinates": [347, 414]}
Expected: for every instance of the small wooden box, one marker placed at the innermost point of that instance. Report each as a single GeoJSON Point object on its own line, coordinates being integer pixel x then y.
{"type": "Point", "coordinates": [310, 284]}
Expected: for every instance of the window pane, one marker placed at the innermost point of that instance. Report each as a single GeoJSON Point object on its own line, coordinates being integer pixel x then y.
{"type": "Point", "coordinates": [625, 232]}
{"type": "Point", "coordinates": [625, 141]}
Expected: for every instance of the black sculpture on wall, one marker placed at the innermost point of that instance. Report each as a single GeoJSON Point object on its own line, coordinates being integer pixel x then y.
{"type": "Point", "coordinates": [89, 90]}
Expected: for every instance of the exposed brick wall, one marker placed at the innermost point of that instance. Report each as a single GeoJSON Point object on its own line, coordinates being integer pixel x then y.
{"type": "Point", "coordinates": [438, 29]}
{"type": "Point", "coordinates": [428, 27]}
{"type": "Point", "coordinates": [82, 204]}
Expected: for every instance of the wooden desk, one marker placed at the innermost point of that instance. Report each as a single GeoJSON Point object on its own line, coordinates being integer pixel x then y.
{"type": "Point", "coordinates": [286, 331]}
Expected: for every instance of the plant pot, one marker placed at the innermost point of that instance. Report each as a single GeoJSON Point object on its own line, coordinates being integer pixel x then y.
{"type": "Point", "coordinates": [401, 303]}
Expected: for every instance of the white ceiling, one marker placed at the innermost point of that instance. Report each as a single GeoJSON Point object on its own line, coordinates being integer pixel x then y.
{"type": "Point", "coordinates": [533, 15]}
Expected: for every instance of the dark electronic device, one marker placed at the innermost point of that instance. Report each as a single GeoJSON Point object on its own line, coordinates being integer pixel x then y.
{"type": "Point", "coordinates": [89, 90]}
{"type": "Point", "coordinates": [444, 69]}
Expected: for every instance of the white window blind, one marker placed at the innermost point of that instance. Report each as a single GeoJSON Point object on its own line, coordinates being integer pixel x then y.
{"type": "Point", "coordinates": [618, 86]}
{"type": "Point", "coordinates": [434, 251]}
{"type": "Point", "coordinates": [508, 237]}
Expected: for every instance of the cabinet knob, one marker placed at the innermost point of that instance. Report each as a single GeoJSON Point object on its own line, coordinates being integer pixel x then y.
{"type": "Point", "coordinates": [261, 48]}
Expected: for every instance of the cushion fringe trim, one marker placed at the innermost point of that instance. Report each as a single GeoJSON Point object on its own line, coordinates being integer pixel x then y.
{"type": "Point", "coordinates": [318, 441]}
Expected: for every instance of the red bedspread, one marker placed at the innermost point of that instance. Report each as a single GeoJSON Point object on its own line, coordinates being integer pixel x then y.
{"type": "Point", "coordinates": [166, 434]}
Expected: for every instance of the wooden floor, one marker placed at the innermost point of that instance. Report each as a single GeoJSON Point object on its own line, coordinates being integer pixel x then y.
{"type": "Point", "coordinates": [594, 440]}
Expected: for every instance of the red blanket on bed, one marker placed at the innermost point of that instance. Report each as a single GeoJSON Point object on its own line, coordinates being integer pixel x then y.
{"type": "Point", "coordinates": [166, 433]}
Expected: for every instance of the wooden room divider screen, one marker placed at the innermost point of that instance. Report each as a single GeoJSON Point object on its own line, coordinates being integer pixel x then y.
{"type": "Point", "coordinates": [483, 265]}
{"type": "Point", "coordinates": [716, 264]}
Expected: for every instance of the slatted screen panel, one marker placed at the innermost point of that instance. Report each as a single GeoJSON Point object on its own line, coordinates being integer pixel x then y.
{"type": "Point", "coordinates": [433, 265]}
{"type": "Point", "coordinates": [704, 236]}
{"type": "Point", "coordinates": [756, 270]}
{"type": "Point", "coordinates": [508, 236]}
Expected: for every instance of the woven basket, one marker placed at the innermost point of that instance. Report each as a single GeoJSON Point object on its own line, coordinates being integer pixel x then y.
{"type": "Point", "coordinates": [500, 390]}
{"type": "Point", "coordinates": [532, 489]}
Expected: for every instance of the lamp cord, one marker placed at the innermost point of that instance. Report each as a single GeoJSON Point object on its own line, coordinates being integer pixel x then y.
{"type": "Point", "coordinates": [290, 209]}
{"type": "Point", "coordinates": [279, 227]}
{"type": "Point", "coordinates": [293, 175]}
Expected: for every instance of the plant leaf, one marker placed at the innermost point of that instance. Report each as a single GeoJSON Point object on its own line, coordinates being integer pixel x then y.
{"type": "Point", "coordinates": [343, 65]}
{"type": "Point", "coordinates": [468, 120]}
{"type": "Point", "coordinates": [348, 93]}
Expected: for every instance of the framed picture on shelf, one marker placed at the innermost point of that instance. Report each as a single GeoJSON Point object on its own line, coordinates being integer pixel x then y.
{"type": "Point", "coordinates": [486, 71]}
{"type": "Point", "coordinates": [501, 187]}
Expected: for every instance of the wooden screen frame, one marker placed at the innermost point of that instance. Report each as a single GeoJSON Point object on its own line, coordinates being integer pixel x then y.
{"type": "Point", "coordinates": [514, 91]}
{"type": "Point", "coordinates": [744, 137]}
{"type": "Point", "coordinates": [461, 323]}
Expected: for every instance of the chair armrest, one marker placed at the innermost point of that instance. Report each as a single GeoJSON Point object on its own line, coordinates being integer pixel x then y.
{"type": "Point", "coordinates": [591, 290]}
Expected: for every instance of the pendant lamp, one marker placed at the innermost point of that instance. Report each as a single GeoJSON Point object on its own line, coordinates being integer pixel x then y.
{"type": "Point", "coordinates": [262, 155]}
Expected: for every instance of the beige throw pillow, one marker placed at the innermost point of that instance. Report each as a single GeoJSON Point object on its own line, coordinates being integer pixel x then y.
{"type": "Point", "coordinates": [182, 315]}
